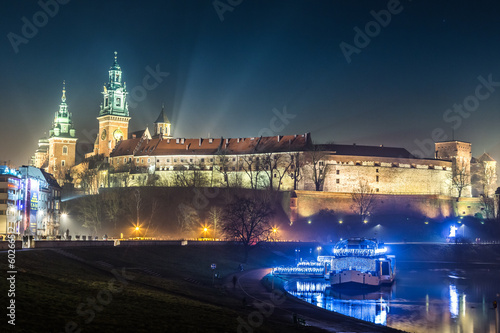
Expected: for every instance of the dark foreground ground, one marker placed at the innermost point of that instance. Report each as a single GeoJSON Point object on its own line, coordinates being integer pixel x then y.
{"type": "Point", "coordinates": [156, 289]}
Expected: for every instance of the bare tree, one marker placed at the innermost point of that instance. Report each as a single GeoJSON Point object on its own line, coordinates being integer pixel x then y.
{"type": "Point", "coordinates": [489, 207]}
{"type": "Point", "coordinates": [460, 176]}
{"type": "Point", "coordinates": [485, 174]}
{"type": "Point", "coordinates": [315, 160]}
{"type": "Point", "coordinates": [363, 200]}
{"type": "Point", "coordinates": [215, 219]}
{"type": "Point", "coordinates": [253, 168]}
{"type": "Point", "coordinates": [142, 209]}
{"type": "Point", "coordinates": [247, 220]}
{"type": "Point", "coordinates": [188, 219]}
{"type": "Point", "coordinates": [296, 164]}
{"type": "Point", "coordinates": [190, 176]}
{"type": "Point", "coordinates": [112, 205]}
{"type": "Point", "coordinates": [275, 165]}
{"type": "Point", "coordinates": [90, 213]}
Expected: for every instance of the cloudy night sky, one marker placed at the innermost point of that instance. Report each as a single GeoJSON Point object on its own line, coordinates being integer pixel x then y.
{"type": "Point", "coordinates": [226, 76]}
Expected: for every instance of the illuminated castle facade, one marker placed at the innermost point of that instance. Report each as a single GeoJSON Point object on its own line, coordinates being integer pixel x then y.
{"type": "Point", "coordinates": [284, 163]}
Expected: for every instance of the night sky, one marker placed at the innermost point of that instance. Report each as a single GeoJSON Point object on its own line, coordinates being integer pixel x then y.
{"type": "Point", "coordinates": [226, 76]}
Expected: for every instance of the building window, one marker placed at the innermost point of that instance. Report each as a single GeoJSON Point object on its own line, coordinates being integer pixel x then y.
{"type": "Point", "coordinates": [175, 160]}
{"type": "Point", "coordinates": [321, 163]}
{"type": "Point", "coordinates": [168, 160]}
{"type": "Point", "coordinates": [211, 160]}
{"type": "Point", "coordinates": [157, 161]}
{"type": "Point", "coordinates": [65, 150]}
{"type": "Point", "coordinates": [202, 160]}
{"type": "Point", "coordinates": [376, 190]}
{"type": "Point", "coordinates": [377, 178]}
{"type": "Point", "coordinates": [338, 172]}
{"type": "Point", "coordinates": [149, 160]}
{"type": "Point", "coordinates": [338, 181]}
{"type": "Point", "coordinates": [63, 163]}
{"type": "Point", "coordinates": [182, 160]}
{"type": "Point", "coordinates": [118, 101]}
{"type": "Point", "coordinates": [142, 160]}
{"type": "Point", "coordinates": [191, 160]}
{"type": "Point", "coordinates": [376, 170]}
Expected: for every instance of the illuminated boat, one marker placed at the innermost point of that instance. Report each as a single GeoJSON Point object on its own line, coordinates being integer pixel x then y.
{"type": "Point", "coordinates": [360, 262]}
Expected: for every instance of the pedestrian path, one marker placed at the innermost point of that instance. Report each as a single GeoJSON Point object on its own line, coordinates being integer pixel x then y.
{"type": "Point", "coordinates": [250, 289]}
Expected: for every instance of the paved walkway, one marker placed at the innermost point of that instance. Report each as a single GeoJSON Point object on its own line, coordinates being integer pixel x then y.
{"type": "Point", "coordinates": [249, 286]}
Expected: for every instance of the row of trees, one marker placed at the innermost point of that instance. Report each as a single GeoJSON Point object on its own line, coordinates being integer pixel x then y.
{"type": "Point", "coordinates": [263, 171]}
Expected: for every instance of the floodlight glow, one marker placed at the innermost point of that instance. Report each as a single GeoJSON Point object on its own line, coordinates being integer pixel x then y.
{"type": "Point", "coordinates": [453, 231]}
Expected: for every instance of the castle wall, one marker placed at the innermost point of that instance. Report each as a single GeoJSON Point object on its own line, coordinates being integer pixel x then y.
{"type": "Point", "coordinates": [432, 206]}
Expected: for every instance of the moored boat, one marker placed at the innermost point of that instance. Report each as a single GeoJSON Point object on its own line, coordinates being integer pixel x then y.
{"type": "Point", "coordinates": [358, 262]}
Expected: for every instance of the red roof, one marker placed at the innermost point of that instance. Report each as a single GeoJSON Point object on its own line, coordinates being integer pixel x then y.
{"type": "Point", "coordinates": [231, 146]}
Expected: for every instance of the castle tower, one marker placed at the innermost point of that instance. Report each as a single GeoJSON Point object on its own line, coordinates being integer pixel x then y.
{"type": "Point", "coordinates": [162, 125]}
{"type": "Point", "coordinates": [460, 154]}
{"type": "Point", "coordinates": [62, 141]}
{"type": "Point", "coordinates": [113, 115]}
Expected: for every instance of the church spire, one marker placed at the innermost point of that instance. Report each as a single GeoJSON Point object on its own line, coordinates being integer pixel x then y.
{"type": "Point", "coordinates": [63, 98]}
{"type": "Point", "coordinates": [114, 92]}
{"type": "Point", "coordinates": [63, 125]}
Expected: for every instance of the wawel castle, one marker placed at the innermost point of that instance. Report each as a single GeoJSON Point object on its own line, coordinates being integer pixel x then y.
{"type": "Point", "coordinates": [453, 180]}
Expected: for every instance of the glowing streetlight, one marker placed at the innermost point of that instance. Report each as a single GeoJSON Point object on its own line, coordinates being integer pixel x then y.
{"type": "Point", "coordinates": [365, 221]}
{"type": "Point", "coordinates": [136, 228]}
{"type": "Point", "coordinates": [340, 221]}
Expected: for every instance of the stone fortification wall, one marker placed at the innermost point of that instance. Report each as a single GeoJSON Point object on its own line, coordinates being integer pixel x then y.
{"type": "Point", "coordinates": [431, 206]}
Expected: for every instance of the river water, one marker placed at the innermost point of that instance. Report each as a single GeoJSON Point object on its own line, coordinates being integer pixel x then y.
{"type": "Point", "coordinates": [424, 298]}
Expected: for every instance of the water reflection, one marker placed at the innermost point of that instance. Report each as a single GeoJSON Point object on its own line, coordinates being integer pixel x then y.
{"type": "Point", "coordinates": [424, 300]}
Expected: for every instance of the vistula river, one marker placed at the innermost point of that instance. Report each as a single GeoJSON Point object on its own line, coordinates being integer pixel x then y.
{"type": "Point", "coordinates": [426, 298]}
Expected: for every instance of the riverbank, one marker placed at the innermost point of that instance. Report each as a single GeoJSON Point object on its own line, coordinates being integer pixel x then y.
{"type": "Point", "coordinates": [159, 288]}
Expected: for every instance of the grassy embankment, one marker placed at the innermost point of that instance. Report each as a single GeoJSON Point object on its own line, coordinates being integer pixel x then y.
{"type": "Point", "coordinates": [171, 289]}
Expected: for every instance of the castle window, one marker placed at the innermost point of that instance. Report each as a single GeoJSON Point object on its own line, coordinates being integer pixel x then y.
{"type": "Point", "coordinates": [321, 163]}
{"type": "Point", "coordinates": [376, 190]}
{"type": "Point", "coordinates": [63, 163]}
{"type": "Point", "coordinates": [338, 172]}
{"type": "Point", "coordinates": [65, 150]}
{"type": "Point", "coordinates": [377, 178]}
{"type": "Point", "coordinates": [337, 181]}
{"type": "Point", "coordinates": [376, 170]}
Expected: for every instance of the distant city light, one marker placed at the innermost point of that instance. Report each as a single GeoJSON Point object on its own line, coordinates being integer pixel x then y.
{"type": "Point", "coordinates": [309, 222]}
{"type": "Point", "coordinates": [340, 221]}
{"type": "Point", "coordinates": [365, 221]}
